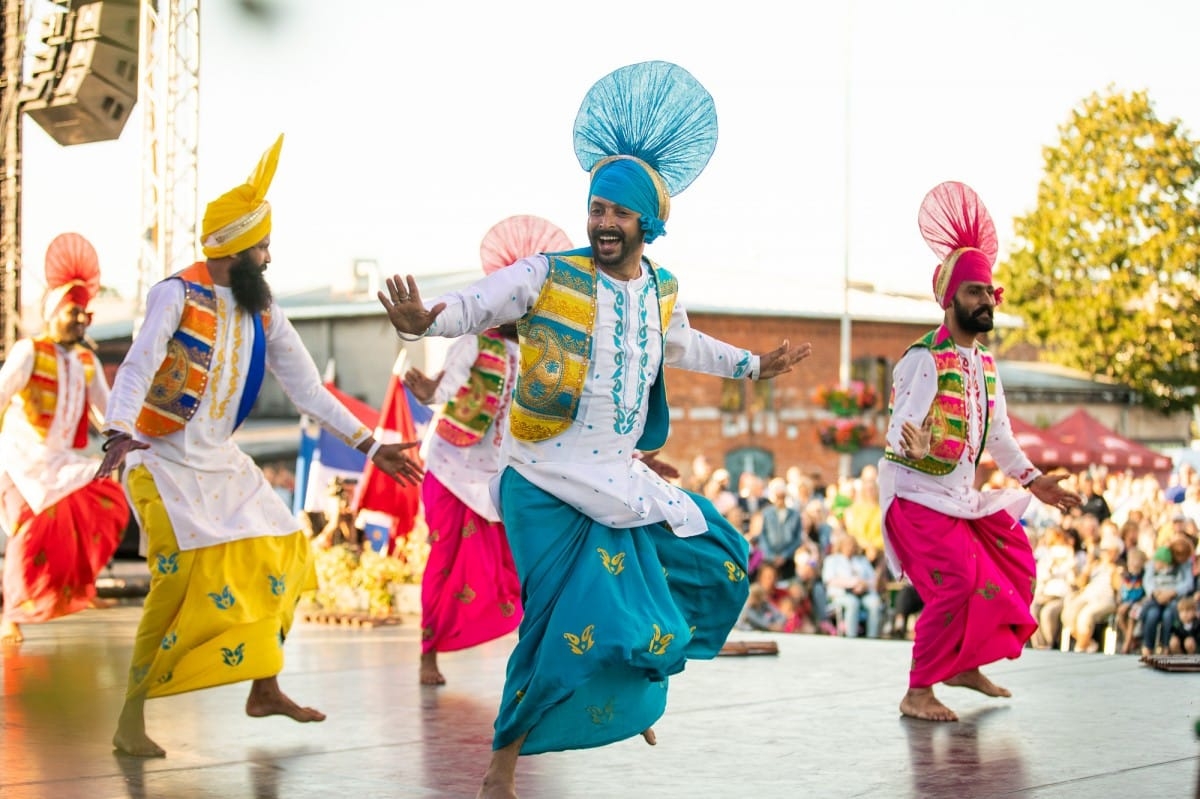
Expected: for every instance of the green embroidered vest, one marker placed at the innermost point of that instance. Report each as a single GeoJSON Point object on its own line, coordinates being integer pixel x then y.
{"type": "Point", "coordinates": [469, 414]}
{"type": "Point", "coordinates": [949, 434]}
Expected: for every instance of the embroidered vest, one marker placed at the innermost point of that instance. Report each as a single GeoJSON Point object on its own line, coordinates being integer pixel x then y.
{"type": "Point", "coordinates": [469, 415]}
{"type": "Point", "coordinates": [949, 435]}
{"type": "Point", "coordinates": [40, 395]}
{"type": "Point", "coordinates": [556, 347]}
{"type": "Point", "coordinates": [182, 376]}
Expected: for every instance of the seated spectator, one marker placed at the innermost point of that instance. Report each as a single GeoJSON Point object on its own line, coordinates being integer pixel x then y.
{"type": "Point", "coordinates": [1166, 581]}
{"type": "Point", "coordinates": [850, 585]}
{"type": "Point", "coordinates": [908, 603]}
{"type": "Point", "coordinates": [1130, 598]}
{"type": "Point", "coordinates": [1095, 596]}
{"type": "Point", "coordinates": [1056, 569]}
{"type": "Point", "coordinates": [808, 562]}
{"type": "Point", "coordinates": [797, 609]}
{"type": "Point", "coordinates": [777, 530]}
{"type": "Point", "coordinates": [760, 613]}
{"type": "Point", "coordinates": [1185, 631]}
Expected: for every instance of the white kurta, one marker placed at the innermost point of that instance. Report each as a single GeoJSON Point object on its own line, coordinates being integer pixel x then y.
{"type": "Point", "coordinates": [214, 492]}
{"type": "Point", "coordinates": [591, 465]}
{"type": "Point", "coordinates": [37, 472]}
{"type": "Point", "coordinates": [954, 494]}
{"type": "Point", "coordinates": [467, 472]}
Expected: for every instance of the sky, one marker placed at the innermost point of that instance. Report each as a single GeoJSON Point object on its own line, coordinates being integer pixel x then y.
{"type": "Point", "coordinates": [413, 127]}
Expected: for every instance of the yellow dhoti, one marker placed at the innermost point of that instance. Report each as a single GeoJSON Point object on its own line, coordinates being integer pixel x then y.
{"type": "Point", "coordinates": [214, 615]}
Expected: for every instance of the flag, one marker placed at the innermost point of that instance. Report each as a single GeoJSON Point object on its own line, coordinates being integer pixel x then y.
{"type": "Point", "coordinates": [323, 456]}
{"type": "Point", "coordinates": [379, 496]}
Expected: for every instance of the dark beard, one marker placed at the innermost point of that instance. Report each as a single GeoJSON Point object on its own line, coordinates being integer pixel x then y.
{"type": "Point", "coordinates": [972, 323]}
{"type": "Point", "coordinates": [508, 330]}
{"type": "Point", "coordinates": [605, 261]}
{"type": "Point", "coordinates": [250, 288]}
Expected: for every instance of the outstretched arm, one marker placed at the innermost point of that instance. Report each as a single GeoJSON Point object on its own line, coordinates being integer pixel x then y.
{"type": "Point", "coordinates": [781, 359]}
{"type": "Point", "coordinates": [405, 311]}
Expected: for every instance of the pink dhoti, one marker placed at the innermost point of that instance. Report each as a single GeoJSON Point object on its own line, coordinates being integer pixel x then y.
{"type": "Point", "coordinates": [470, 592]}
{"type": "Point", "coordinates": [976, 577]}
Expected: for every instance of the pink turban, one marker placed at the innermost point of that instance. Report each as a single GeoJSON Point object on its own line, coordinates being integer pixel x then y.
{"type": "Point", "coordinates": [957, 227]}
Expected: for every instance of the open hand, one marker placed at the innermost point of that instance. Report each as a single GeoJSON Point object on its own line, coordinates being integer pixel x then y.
{"type": "Point", "coordinates": [421, 385]}
{"type": "Point", "coordinates": [404, 308]}
{"type": "Point", "coordinates": [781, 359]}
{"type": "Point", "coordinates": [663, 469]}
{"type": "Point", "coordinates": [1048, 488]}
{"type": "Point", "coordinates": [394, 461]}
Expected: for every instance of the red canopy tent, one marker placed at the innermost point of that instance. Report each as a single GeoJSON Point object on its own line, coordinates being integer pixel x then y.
{"type": "Point", "coordinates": [1039, 446]}
{"type": "Point", "coordinates": [1089, 442]}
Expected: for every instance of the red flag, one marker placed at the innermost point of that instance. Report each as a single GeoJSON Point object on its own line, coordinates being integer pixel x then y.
{"type": "Point", "coordinates": [378, 492]}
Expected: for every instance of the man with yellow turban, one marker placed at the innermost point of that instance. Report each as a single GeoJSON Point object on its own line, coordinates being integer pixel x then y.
{"type": "Point", "coordinates": [228, 560]}
{"type": "Point", "coordinates": [625, 576]}
{"type": "Point", "coordinates": [63, 527]}
{"type": "Point", "coordinates": [962, 549]}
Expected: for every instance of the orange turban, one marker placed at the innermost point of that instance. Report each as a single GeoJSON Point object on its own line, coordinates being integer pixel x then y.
{"type": "Point", "coordinates": [241, 217]}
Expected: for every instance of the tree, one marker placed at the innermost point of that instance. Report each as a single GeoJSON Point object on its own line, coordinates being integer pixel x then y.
{"type": "Point", "coordinates": [1104, 270]}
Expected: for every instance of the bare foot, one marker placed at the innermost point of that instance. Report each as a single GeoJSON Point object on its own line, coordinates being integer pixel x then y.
{"type": "Point", "coordinates": [649, 735]}
{"type": "Point", "coordinates": [497, 790]}
{"type": "Point", "coordinates": [130, 737]}
{"type": "Point", "coordinates": [975, 680]}
{"type": "Point", "coordinates": [101, 603]}
{"type": "Point", "coordinates": [429, 670]}
{"type": "Point", "coordinates": [266, 699]}
{"type": "Point", "coordinates": [10, 632]}
{"type": "Point", "coordinates": [920, 703]}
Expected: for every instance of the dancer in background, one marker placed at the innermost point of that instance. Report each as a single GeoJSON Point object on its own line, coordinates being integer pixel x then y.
{"type": "Point", "coordinates": [63, 527]}
{"type": "Point", "coordinates": [963, 550]}
{"type": "Point", "coordinates": [470, 592]}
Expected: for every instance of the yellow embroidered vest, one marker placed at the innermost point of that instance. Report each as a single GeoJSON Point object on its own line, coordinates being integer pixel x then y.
{"type": "Point", "coordinates": [39, 398]}
{"type": "Point", "coordinates": [556, 347]}
{"type": "Point", "coordinates": [469, 414]}
{"type": "Point", "coordinates": [182, 376]}
{"type": "Point", "coordinates": [949, 435]}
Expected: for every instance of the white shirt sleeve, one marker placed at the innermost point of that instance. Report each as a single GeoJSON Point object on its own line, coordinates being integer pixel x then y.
{"type": "Point", "coordinates": [15, 373]}
{"type": "Point", "coordinates": [164, 309]}
{"type": "Point", "coordinates": [98, 393]}
{"type": "Point", "coordinates": [688, 348]}
{"type": "Point", "coordinates": [1003, 445]}
{"type": "Point", "coordinates": [293, 366]}
{"type": "Point", "coordinates": [459, 360]}
{"type": "Point", "coordinates": [914, 383]}
{"type": "Point", "coordinates": [503, 296]}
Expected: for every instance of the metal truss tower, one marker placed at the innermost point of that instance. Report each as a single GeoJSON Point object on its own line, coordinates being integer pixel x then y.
{"type": "Point", "coordinates": [169, 94]}
{"type": "Point", "coordinates": [12, 37]}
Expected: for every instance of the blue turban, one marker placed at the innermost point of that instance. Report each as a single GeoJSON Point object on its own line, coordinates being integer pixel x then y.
{"type": "Point", "coordinates": [628, 183]}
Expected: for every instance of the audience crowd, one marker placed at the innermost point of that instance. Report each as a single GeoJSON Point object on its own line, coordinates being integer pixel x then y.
{"type": "Point", "coordinates": [1118, 574]}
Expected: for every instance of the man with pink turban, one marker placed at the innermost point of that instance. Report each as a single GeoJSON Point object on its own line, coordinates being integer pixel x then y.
{"type": "Point", "coordinates": [228, 559]}
{"type": "Point", "coordinates": [63, 527]}
{"type": "Point", "coordinates": [963, 550]}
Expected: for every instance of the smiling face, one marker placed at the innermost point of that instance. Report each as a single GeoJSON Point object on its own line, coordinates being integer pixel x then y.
{"type": "Point", "coordinates": [69, 323]}
{"type": "Point", "coordinates": [615, 234]}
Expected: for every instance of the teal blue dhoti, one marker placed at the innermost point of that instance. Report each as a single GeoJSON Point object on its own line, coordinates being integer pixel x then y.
{"type": "Point", "coordinates": [610, 614]}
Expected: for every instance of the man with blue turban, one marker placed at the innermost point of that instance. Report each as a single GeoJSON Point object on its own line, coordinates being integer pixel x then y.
{"type": "Point", "coordinates": [624, 576]}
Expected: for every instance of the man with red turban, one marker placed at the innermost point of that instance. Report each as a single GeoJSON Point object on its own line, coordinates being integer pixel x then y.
{"type": "Point", "coordinates": [63, 528]}
{"type": "Point", "coordinates": [963, 550]}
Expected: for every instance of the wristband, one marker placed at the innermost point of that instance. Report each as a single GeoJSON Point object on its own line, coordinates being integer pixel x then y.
{"type": "Point", "coordinates": [108, 442]}
{"type": "Point", "coordinates": [374, 449]}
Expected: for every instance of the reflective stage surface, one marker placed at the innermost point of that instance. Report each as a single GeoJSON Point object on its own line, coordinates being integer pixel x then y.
{"type": "Point", "coordinates": [818, 720]}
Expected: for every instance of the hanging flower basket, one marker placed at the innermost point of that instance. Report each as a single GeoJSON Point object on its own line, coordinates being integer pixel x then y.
{"type": "Point", "coordinates": [847, 400]}
{"type": "Point", "coordinates": [845, 435]}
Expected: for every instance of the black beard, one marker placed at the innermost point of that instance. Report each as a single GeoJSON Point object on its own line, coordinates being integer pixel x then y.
{"type": "Point", "coordinates": [508, 330]}
{"type": "Point", "coordinates": [614, 261]}
{"type": "Point", "coordinates": [250, 288]}
{"type": "Point", "coordinates": [971, 323]}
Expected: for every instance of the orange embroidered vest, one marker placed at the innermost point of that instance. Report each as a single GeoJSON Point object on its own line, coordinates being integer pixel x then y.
{"type": "Point", "coordinates": [40, 395]}
{"type": "Point", "coordinates": [182, 376]}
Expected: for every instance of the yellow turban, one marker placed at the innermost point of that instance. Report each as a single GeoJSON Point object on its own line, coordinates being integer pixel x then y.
{"type": "Point", "coordinates": [241, 217]}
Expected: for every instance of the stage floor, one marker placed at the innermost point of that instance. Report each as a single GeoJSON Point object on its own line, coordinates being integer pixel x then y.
{"type": "Point", "coordinates": [818, 720]}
